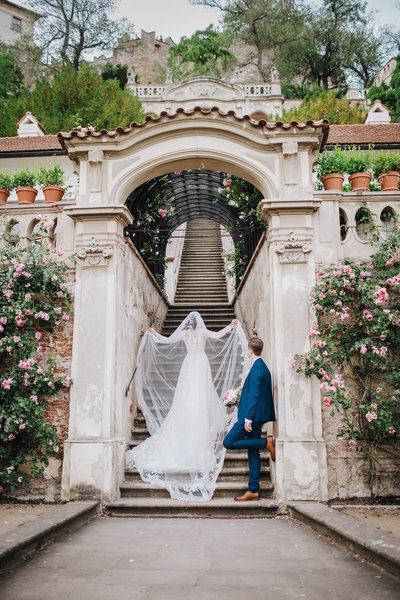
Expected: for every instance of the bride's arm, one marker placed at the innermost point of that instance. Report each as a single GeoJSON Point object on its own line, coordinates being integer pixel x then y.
{"type": "Point", "coordinates": [162, 339]}
{"type": "Point", "coordinates": [219, 334]}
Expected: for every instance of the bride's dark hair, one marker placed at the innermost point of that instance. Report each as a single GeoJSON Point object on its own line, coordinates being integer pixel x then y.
{"type": "Point", "coordinates": [191, 323]}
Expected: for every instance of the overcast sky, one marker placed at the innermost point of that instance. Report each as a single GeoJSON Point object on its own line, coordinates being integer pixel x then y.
{"type": "Point", "coordinates": [177, 18]}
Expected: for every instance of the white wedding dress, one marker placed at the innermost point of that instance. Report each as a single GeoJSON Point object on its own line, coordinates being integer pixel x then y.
{"type": "Point", "coordinates": [180, 384]}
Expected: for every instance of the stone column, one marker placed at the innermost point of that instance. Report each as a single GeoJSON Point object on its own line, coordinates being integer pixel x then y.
{"type": "Point", "coordinates": [301, 469]}
{"type": "Point", "coordinates": [94, 449]}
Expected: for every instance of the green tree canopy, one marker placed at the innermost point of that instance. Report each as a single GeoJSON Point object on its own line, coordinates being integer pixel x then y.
{"type": "Point", "coordinates": [389, 95]}
{"type": "Point", "coordinates": [270, 26]}
{"type": "Point", "coordinates": [324, 104]}
{"type": "Point", "coordinates": [11, 76]}
{"type": "Point", "coordinates": [73, 98]}
{"type": "Point", "coordinates": [331, 44]}
{"type": "Point", "coordinates": [204, 53]}
{"type": "Point", "coordinates": [119, 72]}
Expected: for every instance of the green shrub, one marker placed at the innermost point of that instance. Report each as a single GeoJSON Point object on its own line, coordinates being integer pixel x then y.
{"type": "Point", "coordinates": [6, 180]}
{"type": "Point", "coordinates": [25, 177]}
{"type": "Point", "coordinates": [329, 162]}
{"type": "Point", "coordinates": [53, 175]}
{"type": "Point", "coordinates": [357, 161]}
{"type": "Point", "coordinates": [383, 162]}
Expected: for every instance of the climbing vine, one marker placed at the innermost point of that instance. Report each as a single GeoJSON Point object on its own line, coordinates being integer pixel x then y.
{"type": "Point", "coordinates": [355, 350]}
{"type": "Point", "coordinates": [35, 302]}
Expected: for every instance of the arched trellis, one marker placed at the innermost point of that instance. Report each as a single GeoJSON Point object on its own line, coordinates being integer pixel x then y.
{"type": "Point", "coordinates": [185, 195]}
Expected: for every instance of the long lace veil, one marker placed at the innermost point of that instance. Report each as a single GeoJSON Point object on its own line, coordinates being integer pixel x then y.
{"type": "Point", "coordinates": [159, 366]}
{"type": "Point", "coordinates": [159, 363]}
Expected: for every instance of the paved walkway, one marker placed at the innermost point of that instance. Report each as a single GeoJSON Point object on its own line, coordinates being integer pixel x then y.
{"type": "Point", "coordinates": [196, 559]}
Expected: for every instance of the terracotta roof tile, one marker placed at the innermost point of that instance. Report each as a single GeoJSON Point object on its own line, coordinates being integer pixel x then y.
{"type": "Point", "coordinates": [29, 144]}
{"type": "Point", "coordinates": [385, 133]}
{"type": "Point", "coordinates": [62, 136]}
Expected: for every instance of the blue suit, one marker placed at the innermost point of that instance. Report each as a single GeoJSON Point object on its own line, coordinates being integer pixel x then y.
{"type": "Point", "coordinates": [256, 405]}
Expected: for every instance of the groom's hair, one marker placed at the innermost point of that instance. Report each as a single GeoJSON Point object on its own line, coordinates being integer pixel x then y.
{"type": "Point", "coordinates": [256, 345]}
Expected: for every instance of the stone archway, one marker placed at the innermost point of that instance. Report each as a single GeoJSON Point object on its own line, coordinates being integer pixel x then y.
{"type": "Point", "coordinates": [277, 159]}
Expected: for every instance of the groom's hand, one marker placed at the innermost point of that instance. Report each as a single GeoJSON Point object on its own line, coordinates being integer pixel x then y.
{"type": "Point", "coordinates": [247, 426]}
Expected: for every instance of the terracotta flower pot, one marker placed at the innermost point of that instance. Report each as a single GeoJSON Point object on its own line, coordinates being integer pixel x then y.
{"type": "Point", "coordinates": [3, 196]}
{"type": "Point", "coordinates": [360, 181]}
{"type": "Point", "coordinates": [53, 193]}
{"type": "Point", "coordinates": [389, 181]}
{"type": "Point", "coordinates": [334, 181]}
{"type": "Point", "coordinates": [26, 195]}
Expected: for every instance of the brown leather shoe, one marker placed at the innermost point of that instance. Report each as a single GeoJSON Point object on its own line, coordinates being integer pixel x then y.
{"type": "Point", "coordinates": [271, 448]}
{"type": "Point", "coordinates": [248, 496]}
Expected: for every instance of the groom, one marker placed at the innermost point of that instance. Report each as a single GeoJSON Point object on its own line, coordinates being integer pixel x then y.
{"type": "Point", "coordinates": [255, 408]}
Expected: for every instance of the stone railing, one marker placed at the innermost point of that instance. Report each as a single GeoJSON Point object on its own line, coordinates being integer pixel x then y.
{"type": "Point", "coordinates": [361, 216]}
{"type": "Point", "coordinates": [251, 90]}
{"type": "Point", "coordinates": [21, 223]}
{"type": "Point", "coordinates": [148, 91]}
{"type": "Point", "coordinates": [262, 89]}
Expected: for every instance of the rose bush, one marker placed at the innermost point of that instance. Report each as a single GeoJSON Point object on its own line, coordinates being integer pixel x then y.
{"type": "Point", "coordinates": [35, 302]}
{"type": "Point", "coordinates": [355, 349]}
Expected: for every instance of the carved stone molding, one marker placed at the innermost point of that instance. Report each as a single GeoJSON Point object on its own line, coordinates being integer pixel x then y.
{"type": "Point", "coordinates": [95, 156]}
{"type": "Point", "coordinates": [94, 254]}
{"type": "Point", "coordinates": [294, 250]}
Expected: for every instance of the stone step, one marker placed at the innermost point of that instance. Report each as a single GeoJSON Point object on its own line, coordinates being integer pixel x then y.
{"type": "Point", "coordinates": [224, 489]}
{"type": "Point", "coordinates": [228, 474]}
{"type": "Point", "coordinates": [216, 507]}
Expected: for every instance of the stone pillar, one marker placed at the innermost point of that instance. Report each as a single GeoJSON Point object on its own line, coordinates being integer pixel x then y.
{"type": "Point", "coordinates": [301, 468]}
{"type": "Point", "coordinates": [94, 449]}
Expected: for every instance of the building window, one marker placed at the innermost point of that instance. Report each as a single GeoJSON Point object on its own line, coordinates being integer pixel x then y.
{"type": "Point", "coordinates": [16, 24]}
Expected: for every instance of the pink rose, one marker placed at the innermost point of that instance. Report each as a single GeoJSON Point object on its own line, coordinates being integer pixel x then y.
{"type": "Point", "coordinates": [363, 349]}
{"type": "Point", "coordinates": [162, 212]}
{"type": "Point", "coordinates": [371, 416]}
{"type": "Point", "coordinates": [11, 437]}
{"type": "Point", "coordinates": [6, 384]}
{"type": "Point", "coordinates": [352, 443]}
{"type": "Point", "coordinates": [327, 401]}
{"type": "Point", "coordinates": [381, 295]}
{"type": "Point", "coordinates": [38, 335]}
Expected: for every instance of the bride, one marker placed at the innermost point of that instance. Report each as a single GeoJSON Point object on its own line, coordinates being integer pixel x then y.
{"type": "Point", "coordinates": [180, 384]}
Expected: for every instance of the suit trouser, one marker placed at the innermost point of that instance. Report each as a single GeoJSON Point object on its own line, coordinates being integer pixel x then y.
{"type": "Point", "coordinates": [238, 439]}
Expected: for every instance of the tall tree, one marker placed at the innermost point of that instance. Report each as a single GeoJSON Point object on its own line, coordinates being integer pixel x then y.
{"type": "Point", "coordinates": [73, 98]}
{"type": "Point", "coordinates": [204, 53]}
{"type": "Point", "coordinates": [69, 30]}
{"type": "Point", "coordinates": [11, 76]}
{"type": "Point", "coordinates": [341, 45]}
{"type": "Point", "coordinates": [331, 44]}
{"type": "Point", "coordinates": [270, 26]}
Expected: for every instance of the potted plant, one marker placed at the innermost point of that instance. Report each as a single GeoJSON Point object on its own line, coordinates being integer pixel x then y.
{"type": "Point", "coordinates": [52, 180]}
{"type": "Point", "coordinates": [330, 167]}
{"type": "Point", "coordinates": [358, 165]}
{"type": "Point", "coordinates": [6, 185]}
{"type": "Point", "coordinates": [24, 183]}
{"type": "Point", "coordinates": [386, 166]}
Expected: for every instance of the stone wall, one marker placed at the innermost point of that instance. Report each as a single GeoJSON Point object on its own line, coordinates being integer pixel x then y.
{"type": "Point", "coordinates": [348, 469]}
{"type": "Point", "coordinates": [146, 57]}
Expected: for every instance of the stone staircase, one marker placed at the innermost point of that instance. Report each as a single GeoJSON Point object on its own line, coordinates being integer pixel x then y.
{"type": "Point", "coordinates": [201, 286]}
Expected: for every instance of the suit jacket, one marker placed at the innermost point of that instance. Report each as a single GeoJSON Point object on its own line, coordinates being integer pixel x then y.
{"type": "Point", "coordinates": [256, 402]}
